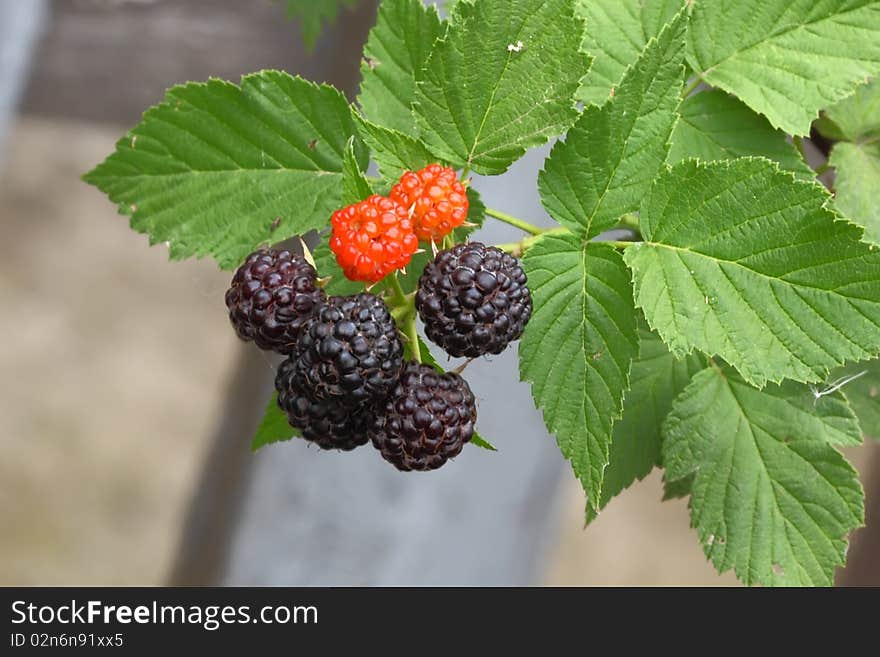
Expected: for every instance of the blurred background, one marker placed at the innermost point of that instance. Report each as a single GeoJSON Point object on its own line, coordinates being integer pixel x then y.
{"type": "Point", "coordinates": [128, 406]}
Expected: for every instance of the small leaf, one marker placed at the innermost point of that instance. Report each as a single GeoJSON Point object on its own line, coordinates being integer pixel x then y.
{"type": "Point", "coordinates": [393, 151]}
{"type": "Point", "coordinates": [314, 15]}
{"type": "Point", "coordinates": [219, 169]}
{"type": "Point", "coordinates": [716, 126]}
{"type": "Point", "coordinates": [502, 80]}
{"type": "Point", "coordinates": [657, 377]}
{"type": "Point", "coordinates": [273, 427]}
{"type": "Point", "coordinates": [355, 187]}
{"type": "Point", "coordinates": [863, 393]}
{"type": "Point", "coordinates": [857, 160]}
{"type": "Point", "coordinates": [578, 347]}
{"type": "Point", "coordinates": [396, 51]}
{"type": "Point", "coordinates": [611, 154]}
{"type": "Point", "coordinates": [743, 261]}
{"type": "Point", "coordinates": [771, 498]}
{"type": "Point", "coordinates": [786, 59]}
{"type": "Point", "coordinates": [857, 117]}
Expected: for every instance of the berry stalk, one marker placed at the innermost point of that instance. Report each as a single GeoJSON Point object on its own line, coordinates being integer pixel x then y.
{"type": "Point", "coordinates": [407, 319]}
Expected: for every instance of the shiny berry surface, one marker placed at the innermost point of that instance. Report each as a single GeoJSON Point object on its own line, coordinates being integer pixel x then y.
{"type": "Point", "coordinates": [437, 200]}
{"type": "Point", "coordinates": [426, 420]}
{"type": "Point", "coordinates": [272, 294]}
{"type": "Point", "coordinates": [372, 238]}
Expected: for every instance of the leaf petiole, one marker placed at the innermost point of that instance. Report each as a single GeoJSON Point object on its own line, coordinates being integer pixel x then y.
{"type": "Point", "coordinates": [514, 221]}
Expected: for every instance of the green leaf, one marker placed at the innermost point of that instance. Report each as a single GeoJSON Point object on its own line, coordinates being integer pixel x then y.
{"type": "Point", "coordinates": [857, 182]}
{"type": "Point", "coordinates": [857, 120]}
{"type": "Point", "coordinates": [771, 498]}
{"type": "Point", "coordinates": [502, 80]}
{"type": "Point", "coordinates": [617, 32]}
{"type": "Point", "coordinates": [219, 169]}
{"type": "Point", "coordinates": [355, 187]}
{"type": "Point", "coordinates": [273, 427]}
{"type": "Point", "coordinates": [743, 261]}
{"type": "Point", "coordinates": [611, 154]}
{"type": "Point", "coordinates": [657, 377]}
{"type": "Point", "coordinates": [786, 59]}
{"type": "Point", "coordinates": [396, 51]}
{"type": "Point", "coordinates": [578, 346]}
{"type": "Point", "coordinates": [314, 15]}
{"type": "Point", "coordinates": [716, 126]}
{"type": "Point", "coordinates": [857, 117]}
{"type": "Point", "coordinates": [393, 151]}
{"type": "Point", "coordinates": [863, 393]}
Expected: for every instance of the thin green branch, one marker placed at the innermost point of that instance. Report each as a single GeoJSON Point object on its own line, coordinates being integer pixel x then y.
{"type": "Point", "coordinates": [514, 221]}
{"type": "Point", "coordinates": [692, 87]}
{"type": "Point", "coordinates": [403, 311]}
{"type": "Point", "coordinates": [518, 248]}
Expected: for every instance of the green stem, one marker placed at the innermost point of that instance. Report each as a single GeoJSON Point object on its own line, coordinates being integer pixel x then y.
{"type": "Point", "coordinates": [799, 144]}
{"type": "Point", "coordinates": [629, 220]}
{"type": "Point", "coordinates": [513, 221]}
{"type": "Point", "coordinates": [399, 296]}
{"type": "Point", "coordinates": [404, 314]}
{"type": "Point", "coordinates": [409, 329]}
{"type": "Point", "coordinates": [822, 168]}
{"type": "Point", "coordinates": [465, 173]}
{"type": "Point", "coordinates": [518, 248]}
{"type": "Point", "coordinates": [617, 244]}
{"type": "Point", "coordinates": [691, 87]}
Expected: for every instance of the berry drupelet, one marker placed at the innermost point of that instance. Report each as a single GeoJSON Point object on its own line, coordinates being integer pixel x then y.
{"type": "Point", "coordinates": [272, 294]}
{"type": "Point", "coordinates": [473, 300]}
{"type": "Point", "coordinates": [426, 420]}
{"type": "Point", "coordinates": [349, 352]}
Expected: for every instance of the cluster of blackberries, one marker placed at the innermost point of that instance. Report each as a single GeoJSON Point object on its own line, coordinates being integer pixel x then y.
{"type": "Point", "coordinates": [345, 381]}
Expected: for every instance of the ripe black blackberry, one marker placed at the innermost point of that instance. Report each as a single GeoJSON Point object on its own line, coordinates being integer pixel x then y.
{"type": "Point", "coordinates": [426, 420]}
{"type": "Point", "coordinates": [473, 300]}
{"type": "Point", "coordinates": [325, 423]}
{"type": "Point", "coordinates": [271, 296]}
{"type": "Point", "coordinates": [349, 352]}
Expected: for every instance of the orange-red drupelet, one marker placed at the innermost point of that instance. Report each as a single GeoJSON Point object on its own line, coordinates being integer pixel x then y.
{"type": "Point", "coordinates": [436, 198]}
{"type": "Point", "coordinates": [372, 238]}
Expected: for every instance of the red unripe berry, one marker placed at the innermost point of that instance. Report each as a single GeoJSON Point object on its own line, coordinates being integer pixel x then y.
{"type": "Point", "coordinates": [372, 238]}
{"type": "Point", "coordinates": [436, 198]}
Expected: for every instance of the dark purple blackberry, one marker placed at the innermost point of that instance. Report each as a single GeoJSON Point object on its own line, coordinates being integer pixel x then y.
{"type": "Point", "coordinates": [349, 352]}
{"type": "Point", "coordinates": [271, 296]}
{"type": "Point", "coordinates": [473, 300]}
{"type": "Point", "coordinates": [426, 420]}
{"type": "Point", "coordinates": [324, 423]}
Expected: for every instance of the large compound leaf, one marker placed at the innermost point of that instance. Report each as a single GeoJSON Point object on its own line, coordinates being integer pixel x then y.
{"type": "Point", "coordinates": [578, 346]}
{"type": "Point", "coordinates": [786, 59]}
{"type": "Point", "coordinates": [611, 154]}
{"type": "Point", "coordinates": [770, 497]}
{"type": "Point", "coordinates": [857, 160]}
{"type": "Point", "coordinates": [396, 51]}
{"type": "Point", "coordinates": [315, 14]}
{"type": "Point", "coordinates": [716, 126]}
{"type": "Point", "coordinates": [743, 261]}
{"type": "Point", "coordinates": [219, 169]}
{"type": "Point", "coordinates": [617, 32]}
{"type": "Point", "coordinates": [657, 377]}
{"type": "Point", "coordinates": [502, 80]}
